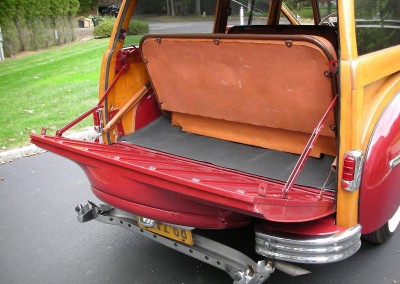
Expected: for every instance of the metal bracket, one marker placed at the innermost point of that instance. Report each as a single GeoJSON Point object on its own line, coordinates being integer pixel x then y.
{"type": "Point", "coordinates": [240, 267]}
{"type": "Point", "coordinates": [334, 66]}
{"type": "Point", "coordinates": [122, 34]}
{"type": "Point", "coordinates": [86, 213]}
{"type": "Point", "coordinates": [120, 127]}
{"type": "Point", "coordinates": [257, 273]}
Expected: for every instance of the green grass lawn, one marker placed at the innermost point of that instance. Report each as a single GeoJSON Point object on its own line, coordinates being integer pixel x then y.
{"type": "Point", "coordinates": [48, 89]}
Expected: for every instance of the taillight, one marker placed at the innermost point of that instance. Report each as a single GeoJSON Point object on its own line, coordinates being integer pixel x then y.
{"type": "Point", "coordinates": [97, 120]}
{"type": "Point", "coordinates": [349, 167]}
{"type": "Point", "coordinates": [351, 173]}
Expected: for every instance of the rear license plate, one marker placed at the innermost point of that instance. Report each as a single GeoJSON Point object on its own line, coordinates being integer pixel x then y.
{"type": "Point", "coordinates": [176, 234]}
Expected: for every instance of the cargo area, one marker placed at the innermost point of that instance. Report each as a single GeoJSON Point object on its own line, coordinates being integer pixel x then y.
{"type": "Point", "coordinates": [247, 102]}
{"type": "Point", "coordinates": [160, 135]}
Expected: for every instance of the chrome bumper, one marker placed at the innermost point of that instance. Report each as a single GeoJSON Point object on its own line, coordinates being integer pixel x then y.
{"type": "Point", "coordinates": [309, 249]}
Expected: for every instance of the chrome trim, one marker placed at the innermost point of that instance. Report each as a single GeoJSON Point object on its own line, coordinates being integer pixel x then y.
{"type": "Point", "coordinates": [147, 222]}
{"type": "Point", "coordinates": [395, 162]}
{"type": "Point", "coordinates": [309, 249]}
{"type": "Point", "coordinates": [355, 184]}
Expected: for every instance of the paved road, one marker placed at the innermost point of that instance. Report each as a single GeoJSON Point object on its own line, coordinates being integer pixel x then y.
{"type": "Point", "coordinates": [41, 241]}
{"type": "Point", "coordinates": [180, 27]}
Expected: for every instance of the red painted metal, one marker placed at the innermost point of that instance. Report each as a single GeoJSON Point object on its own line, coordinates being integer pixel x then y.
{"type": "Point", "coordinates": [306, 152]}
{"type": "Point", "coordinates": [380, 185]}
{"type": "Point", "coordinates": [147, 111]}
{"type": "Point", "coordinates": [125, 56]}
{"type": "Point", "coordinates": [202, 216]}
{"type": "Point", "coordinates": [182, 191]}
{"type": "Point", "coordinates": [320, 227]}
{"type": "Point", "coordinates": [68, 126]}
{"type": "Point", "coordinates": [120, 127]}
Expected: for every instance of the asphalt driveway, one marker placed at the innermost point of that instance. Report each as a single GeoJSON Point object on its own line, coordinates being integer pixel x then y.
{"type": "Point", "coordinates": [42, 242]}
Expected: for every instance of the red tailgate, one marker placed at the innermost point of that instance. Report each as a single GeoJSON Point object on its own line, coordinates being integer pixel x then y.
{"type": "Point", "coordinates": [182, 191]}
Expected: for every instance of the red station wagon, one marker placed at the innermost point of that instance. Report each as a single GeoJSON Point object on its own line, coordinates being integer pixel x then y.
{"type": "Point", "coordinates": [269, 141]}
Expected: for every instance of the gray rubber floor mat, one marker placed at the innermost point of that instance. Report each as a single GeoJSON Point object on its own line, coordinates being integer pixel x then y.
{"type": "Point", "coordinates": [162, 136]}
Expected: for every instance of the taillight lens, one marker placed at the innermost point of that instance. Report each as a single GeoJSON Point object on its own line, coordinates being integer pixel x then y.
{"type": "Point", "coordinates": [97, 120]}
{"type": "Point", "coordinates": [351, 173]}
{"type": "Point", "coordinates": [349, 167]}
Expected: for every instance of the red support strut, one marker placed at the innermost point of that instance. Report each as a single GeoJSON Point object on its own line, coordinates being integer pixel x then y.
{"type": "Point", "coordinates": [306, 152]}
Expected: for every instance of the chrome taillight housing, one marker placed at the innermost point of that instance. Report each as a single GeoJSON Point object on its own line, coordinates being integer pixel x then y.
{"type": "Point", "coordinates": [352, 168]}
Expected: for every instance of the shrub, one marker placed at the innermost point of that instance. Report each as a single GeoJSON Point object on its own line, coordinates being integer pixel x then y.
{"type": "Point", "coordinates": [138, 28]}
{"type": "Point", "coordinates": [33, 24]}
{"type": "Point", "coordinates": [290, 6]}
{"type": "Point", "coordinates": [104, 29]}
{"type": "Point", "coordinates": [11, 42]}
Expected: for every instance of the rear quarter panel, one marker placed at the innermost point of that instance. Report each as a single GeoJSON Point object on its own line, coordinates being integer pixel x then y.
{"type": "Point", "coordinates": [380, 186]}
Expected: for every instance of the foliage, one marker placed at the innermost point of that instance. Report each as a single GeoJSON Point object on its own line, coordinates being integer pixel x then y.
{"type": "Point", "coordinates": [138, 28]}
{"type": "Point", "coordinates": [34, 24]}
{"type": "Point", "coordinates": [376, 22]}
{"type": "Point", "coordinates": [105, 28]}
{"type": "Point", "coordinates": [87, 5]}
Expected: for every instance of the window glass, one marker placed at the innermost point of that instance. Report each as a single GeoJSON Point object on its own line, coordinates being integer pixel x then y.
{"type": "Point", "coordinates": [283, 20]}
{"type": "Point", "coordinates": [302, 10]}
{"type": "Point", "coordinates": [174, 16]}
{"type": "Point", "coordinates": [328, 10]}
{"type": "Point", "coordinates": [377, 24]}
{"type": "Point", "coordinates": [244, 13]}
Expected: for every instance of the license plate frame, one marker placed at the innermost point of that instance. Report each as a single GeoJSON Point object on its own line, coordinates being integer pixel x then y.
{"type": "Point", "coordinates": [169, 231]}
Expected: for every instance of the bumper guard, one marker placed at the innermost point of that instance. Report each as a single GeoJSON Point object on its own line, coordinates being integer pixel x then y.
{"type": "Point", "coordinates": [310, 250]}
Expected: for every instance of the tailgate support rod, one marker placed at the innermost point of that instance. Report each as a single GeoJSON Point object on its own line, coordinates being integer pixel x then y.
{"type": "Point", "coordinates": [60, 132]}
{"type": "Point", "coordinates": [306, 152]}
{"type": "Point", "coordinates": [128, 105]}
{"type": "Point", "coordinates": [125, 66]}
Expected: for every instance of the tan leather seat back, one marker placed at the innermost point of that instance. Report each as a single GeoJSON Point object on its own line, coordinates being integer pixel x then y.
{"type": "Point", "coordinates": [264, 81]}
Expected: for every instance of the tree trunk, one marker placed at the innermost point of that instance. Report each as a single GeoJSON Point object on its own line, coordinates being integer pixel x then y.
{"type": "Point", "coordinates": [168, 9]}
{"type": "Point", "coordinates": [173, 8]}
{"type": "Point", "coordinates": [198, 7]}
{"type": "Point", "coordinates": [329, 8]}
